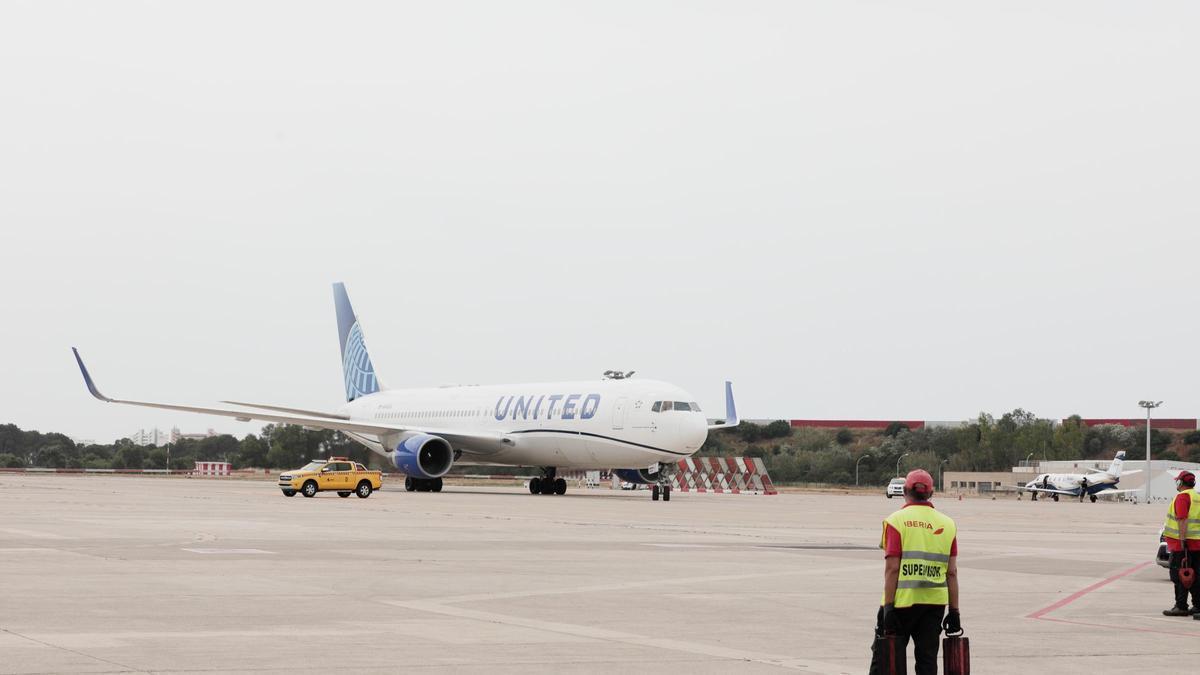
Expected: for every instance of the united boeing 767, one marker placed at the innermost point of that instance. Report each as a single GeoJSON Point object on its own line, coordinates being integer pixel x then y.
{"type": "Point", "coordinates": [641, 428]}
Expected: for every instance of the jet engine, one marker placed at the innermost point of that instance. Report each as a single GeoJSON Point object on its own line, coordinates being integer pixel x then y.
{"type": "Point", "coordinates": [638, 476]}
{"type": "Point", "coordinates": [423, 456]}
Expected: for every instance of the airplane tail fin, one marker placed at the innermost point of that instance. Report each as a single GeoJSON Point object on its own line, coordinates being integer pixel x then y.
{"type": "Point", "coordinates": [357, 369]}
{"type": "Point", "coordinates": [1114, 469]}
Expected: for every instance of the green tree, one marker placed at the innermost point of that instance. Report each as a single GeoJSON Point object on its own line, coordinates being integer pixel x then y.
{"type": "Point", "coordinates": [11, 461]}
{"type": "Point", "coordinates": [252, 452]}
{"type": "Point", "coordinates": [156, 458]}
{"type": "Point", "coordinates": [129, 457]}
{"type": "Point", "coordinates": [777, 429]}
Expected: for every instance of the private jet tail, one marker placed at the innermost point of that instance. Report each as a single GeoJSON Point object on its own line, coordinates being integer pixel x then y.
{"type": "Point", "coordinates": [1114, 469]}
{"type": "Point", "coordinates": [357, 369]}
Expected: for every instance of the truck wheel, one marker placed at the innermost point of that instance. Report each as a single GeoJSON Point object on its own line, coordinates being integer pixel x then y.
{"type": "Point", "coordinates": [343, 494]}
{"type": "Point", "coordinates": [364, 489]}
{"type": "Point", "coordinates": [289, 493]}
{"type": "Point", "coordinates": [309, 489]}
{"type": "Point", "coordinates": [889, 495]}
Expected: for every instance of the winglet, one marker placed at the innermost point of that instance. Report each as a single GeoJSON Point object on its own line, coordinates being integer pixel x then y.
{"type": "Point", "coordinates": [87, 378]}
{"type": "Point", "coordinates": [731, 417]}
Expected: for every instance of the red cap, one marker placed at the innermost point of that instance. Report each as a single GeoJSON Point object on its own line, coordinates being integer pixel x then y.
{"type": "Point", "coordinates": [1185, 475]}
{"type": "Point", "coordinates": [919, 477]}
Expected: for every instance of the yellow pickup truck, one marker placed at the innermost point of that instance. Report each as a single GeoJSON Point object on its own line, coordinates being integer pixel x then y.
{"type": "Point", "coordinates": [337, 474]}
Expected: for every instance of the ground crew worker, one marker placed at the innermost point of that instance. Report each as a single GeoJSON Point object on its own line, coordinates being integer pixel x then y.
{"type": "Point", "coordinates": [920, 576]}
{"type": "Point", "coordinates": [1182, 534]}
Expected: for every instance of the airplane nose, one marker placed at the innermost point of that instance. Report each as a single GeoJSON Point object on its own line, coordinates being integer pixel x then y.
{"type": "Point", "coordinates": [695, 431]}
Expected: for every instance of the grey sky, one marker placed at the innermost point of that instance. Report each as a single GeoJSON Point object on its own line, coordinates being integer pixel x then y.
{"type": "Point", "coordinates": [850, 209]}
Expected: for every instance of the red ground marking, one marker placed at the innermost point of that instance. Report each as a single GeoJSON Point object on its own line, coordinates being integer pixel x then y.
{"type": "Point", "coordinates": [1079, 594]}
{"type": "Point", "coordinates": [1125, 628]}
{"type": "Point", "coordinates": [1041, 613]}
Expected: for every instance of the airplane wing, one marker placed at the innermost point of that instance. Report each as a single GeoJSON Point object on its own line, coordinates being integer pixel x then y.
{"type": "Point", "coordinates": [731, 418]}
{"type": "Point", "coordinates": [1052, 490]}
{"type": "Point", "coordinates": [1113, 492]}
{"type": "Point", "coordinates": [470, 442]}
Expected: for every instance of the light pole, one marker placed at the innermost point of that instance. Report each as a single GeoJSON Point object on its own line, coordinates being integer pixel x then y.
{"type": "Point", "coordinates": [865, 455]}
{"type": "Point", "coordinates": [1027, 459]}
{"type": "Point", "coordinates": [1148, 405]}
{"type": "Point", "coordinates": [898, 462]}
{"type": "Point", "coordinates": [942, 474]}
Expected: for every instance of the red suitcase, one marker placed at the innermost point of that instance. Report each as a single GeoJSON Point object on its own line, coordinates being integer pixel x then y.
{"type": "Point", "coordinates": [956, 656]}
{"type": "Point", "coordinates": [887, 657]}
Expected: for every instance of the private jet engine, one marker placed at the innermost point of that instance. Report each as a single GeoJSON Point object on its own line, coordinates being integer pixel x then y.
{"type": "Point", "coordinates": [423, 459]}
{"type": "Point", "coordinates": [659, 480]}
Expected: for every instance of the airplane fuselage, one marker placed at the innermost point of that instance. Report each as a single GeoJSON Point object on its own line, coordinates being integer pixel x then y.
{"type": "Point", "coordinates": [598, 424]}
{"type": "Point", "coordinates": [1073, 482]}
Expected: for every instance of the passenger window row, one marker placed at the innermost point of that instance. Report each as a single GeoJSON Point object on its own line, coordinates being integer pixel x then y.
{"type": "Point", "coordinates": [426, 414]}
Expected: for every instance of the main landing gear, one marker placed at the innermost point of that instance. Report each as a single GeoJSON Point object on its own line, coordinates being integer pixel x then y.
{"type": "Point", "coordinates": [422, 484]}
{"type": "Point", "coordinates": [664, 490]}
{"type": "Point", "coordinates": [548, 483]}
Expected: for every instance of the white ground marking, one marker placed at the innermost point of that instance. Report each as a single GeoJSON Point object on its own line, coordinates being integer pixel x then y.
{"type": "Point", "coordinates": [625, 638]}
{"type": "Point", "coordinates": [442, 606]}
{"type": "Point", "coordinates": [32, 534]}
{"type": "Point", "coordinates": [648, 583]}
{"type": "Point", "coordinates": [229, 551]}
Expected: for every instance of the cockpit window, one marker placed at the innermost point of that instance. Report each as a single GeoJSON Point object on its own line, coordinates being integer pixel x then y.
{"type": "Point", "coordinates": [695, 406]}
{"type": "Point", "coordinates": [656, 407]}
{"type": "Point", "coordinates": [683, 405]}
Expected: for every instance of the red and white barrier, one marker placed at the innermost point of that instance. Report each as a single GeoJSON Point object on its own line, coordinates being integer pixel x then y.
{"type": "Point", "coordinates": [731, 475]}
{"type": "Point", "coordinates": [212, 469]}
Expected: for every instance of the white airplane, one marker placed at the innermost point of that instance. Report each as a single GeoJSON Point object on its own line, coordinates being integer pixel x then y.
{"type": "Point", "coordinates": [641, 428]}
{"type": "Point", "coordinates": [1091, 485]}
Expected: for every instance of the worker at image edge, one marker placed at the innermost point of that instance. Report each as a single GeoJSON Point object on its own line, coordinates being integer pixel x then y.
{"type": "Point", "coordinates": [1183, 525]}
{"type": "Point", "coordinates": [920, 577]}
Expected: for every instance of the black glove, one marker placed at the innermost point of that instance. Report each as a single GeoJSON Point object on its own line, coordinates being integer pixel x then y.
{"type": "Point", "coordinates": [887, 620]}
{"type": "Point", "coordinates": [952, 624]}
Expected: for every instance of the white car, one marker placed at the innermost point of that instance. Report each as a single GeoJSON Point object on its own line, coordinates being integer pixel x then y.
{"type": "Point", "coordinates": [895, 488]}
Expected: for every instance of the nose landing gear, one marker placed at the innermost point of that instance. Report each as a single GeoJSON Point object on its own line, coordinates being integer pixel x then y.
{"type": "Point", "coordinates": [548, 483]}
{"type": "Point", "coordinates": [664, 490]}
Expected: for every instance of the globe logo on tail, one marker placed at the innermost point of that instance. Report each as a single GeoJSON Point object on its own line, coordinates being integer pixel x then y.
{"type": "Point", "coordinates": [356, 366]}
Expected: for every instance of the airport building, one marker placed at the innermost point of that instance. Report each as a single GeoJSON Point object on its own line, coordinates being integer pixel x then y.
{"type": "Point", "coordinates": [155, 436]}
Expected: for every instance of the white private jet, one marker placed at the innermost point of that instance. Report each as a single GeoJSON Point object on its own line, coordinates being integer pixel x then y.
{"type": "Point", "coordinates": [1091, 485]}
{"type": "Point", "coordinates": [639, 427]}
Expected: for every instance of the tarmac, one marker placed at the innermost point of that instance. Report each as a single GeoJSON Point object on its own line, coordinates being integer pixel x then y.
{"type": "Point", "coordinates": [108, 574]}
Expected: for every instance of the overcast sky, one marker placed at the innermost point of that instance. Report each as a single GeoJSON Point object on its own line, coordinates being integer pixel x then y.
{"type": "Point", "coordinates": [852, 210]}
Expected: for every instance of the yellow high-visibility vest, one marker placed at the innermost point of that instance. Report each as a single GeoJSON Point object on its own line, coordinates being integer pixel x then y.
{"type": "Point", "coordinates": [1171, 527]}
{"type": "Point", "coordinates": [926, 537]}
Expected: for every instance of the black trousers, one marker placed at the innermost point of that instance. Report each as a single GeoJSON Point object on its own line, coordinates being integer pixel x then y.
{"type": "Point", "coordinates": [1181, 593]}
{"type": "Point", "coordinates": [922, 623]}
